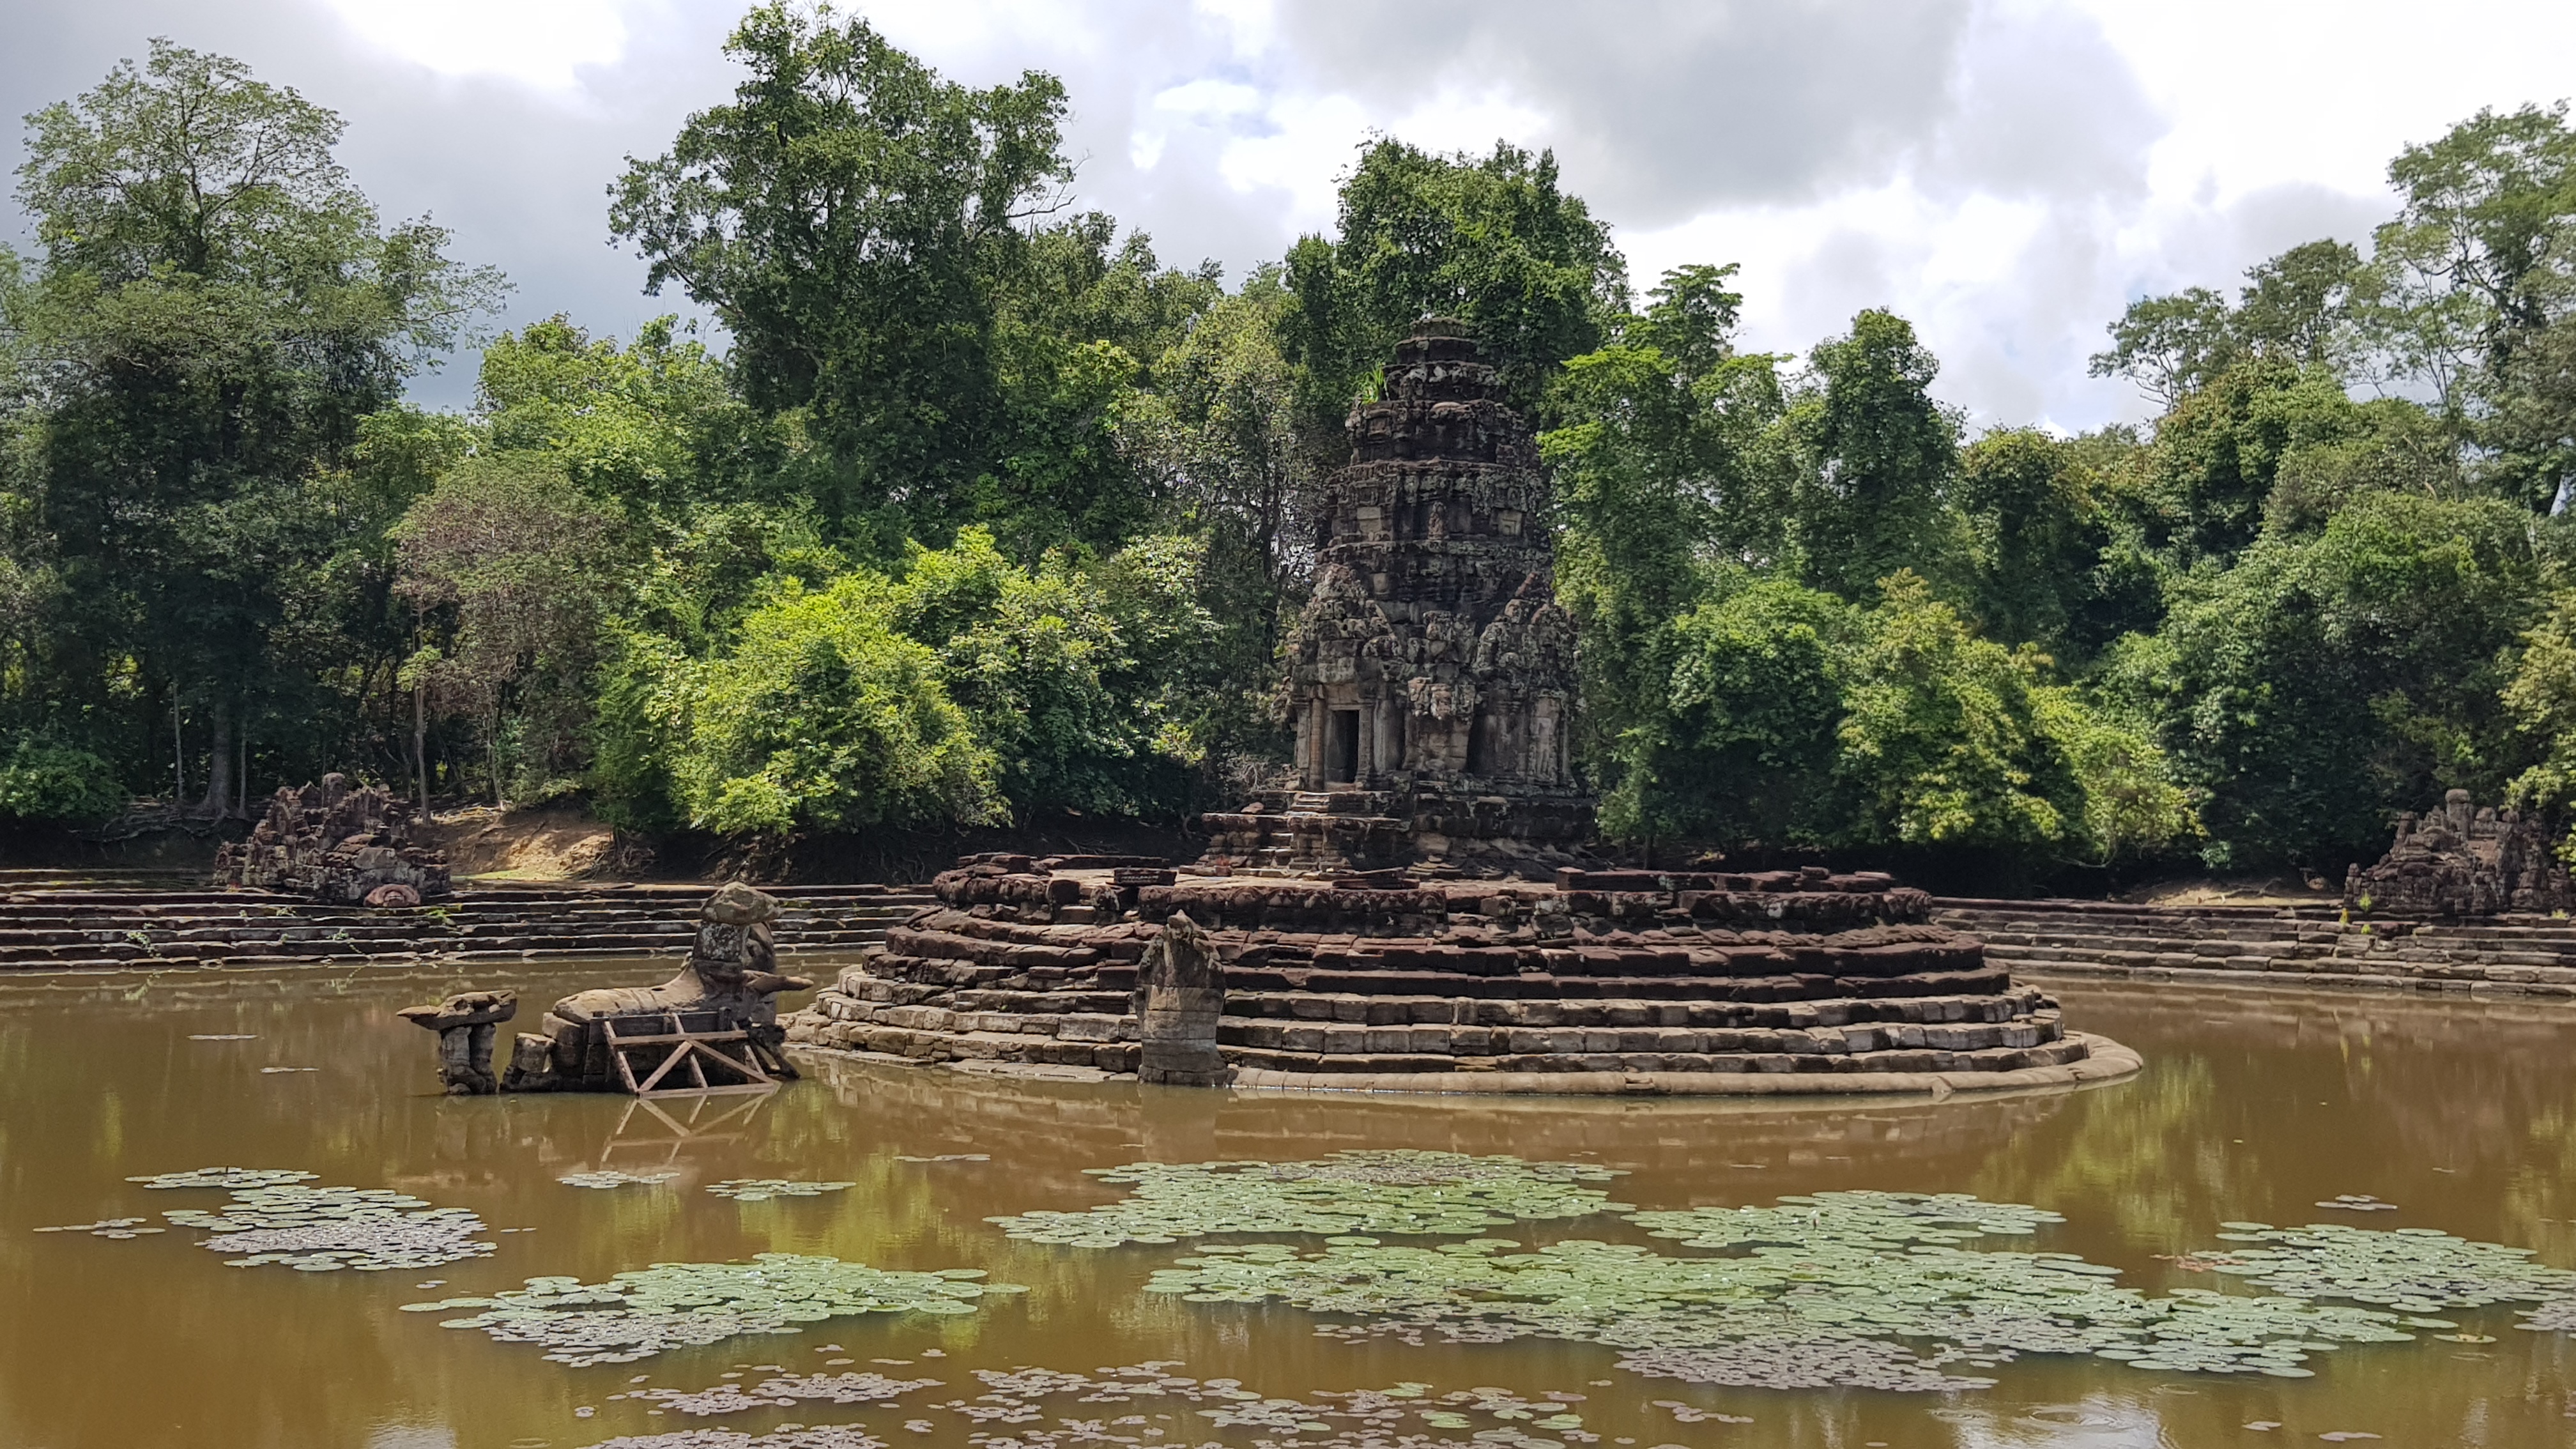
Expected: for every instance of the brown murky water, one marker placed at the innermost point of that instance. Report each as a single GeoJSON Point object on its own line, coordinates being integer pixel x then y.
{"type": "Point", "coordinates": [2252, 1106]}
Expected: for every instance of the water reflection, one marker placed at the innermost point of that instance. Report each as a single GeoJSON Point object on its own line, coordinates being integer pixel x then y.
{"type": "Point", "coordinates": [2251, 1106]}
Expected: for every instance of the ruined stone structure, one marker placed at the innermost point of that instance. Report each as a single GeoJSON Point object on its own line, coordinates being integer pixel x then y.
{"type": "Point", "coordinates": [2463, 861]}
{"type": "Point", "coordinates": [1431, 678]}
{"type": "Point", "coordinates": [1412, 907]}
{"type": "Point", "coordinates": [1624, 980]}
{"type": "Point", "coordinates": [466, 1024]}
{"type": "Point", "coordinates": [335, 844]}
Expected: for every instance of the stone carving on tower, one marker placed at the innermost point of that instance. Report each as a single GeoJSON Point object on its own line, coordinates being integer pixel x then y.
{"type": "Point", "coordinates": [1431, 678]}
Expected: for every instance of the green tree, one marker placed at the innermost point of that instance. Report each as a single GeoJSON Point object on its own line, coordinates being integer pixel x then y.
{"type": "Point", "coordinates": [2205, 481]}
{"type": "Point", "coordinates": [2306, 307]}
{"type": "Point", "coordinates": [653, 426]}
{"type": "Point", "coordinates": [2035, 533]}
{"type": "Point", "coordinates": [2329, 680]}
{"type": "Point", "coordinates": [876, 240]}
{"type": "Point", "coordinates": [216, 310]}
{"type": "Point", "coordinates": [1217, 438]}
{"type": "Point", "coordinates": [524, 567]}
{"type": "Point", "coordinates": [1058, 667]}
{"type": "Point", "coordinates": [2170, 345]}
{"type": "Point", "coordinates": [1494, 242]}
{"type": "Point", "coordinates": [2482, 252]}
{"type": "Point", "coordinates": [821, 715]}
{"type": "Point", "coordinates": [1739, 745]}
{"type": "Point", "coordinates": [1667, 462]}
{"type": "Point", "coordinates": [47, 782]}
{"type": "Point", "coordinates": [1793, 717]}
{"type": "Point", "coordinates": [1876, 454]}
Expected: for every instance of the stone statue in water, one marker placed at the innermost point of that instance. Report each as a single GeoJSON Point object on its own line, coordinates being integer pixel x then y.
{"type": "Point", "coordinates": [1180, 998]}
{"type": "Point", "coordinates": [730, 984]}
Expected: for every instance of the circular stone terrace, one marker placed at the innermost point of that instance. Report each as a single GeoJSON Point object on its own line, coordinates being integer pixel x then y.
{"type": "Point", "coordinates": [1604, 982]}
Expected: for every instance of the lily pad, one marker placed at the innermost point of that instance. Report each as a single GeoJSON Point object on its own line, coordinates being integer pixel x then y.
{"type": "Point", "coordinates": [107, 1228]}
{"type": "Point", "coordinates": [762, 1189]}
{"type": "Point", "coordinates": [1395, 1192]}
{"type": "Point", "coordinates": [224, 1177]}
{"type": "Point", "coordinates": [318, 1229]}
{"type": "Point", "coordinates": [610, 1177]}
{"type": "Point", "coordinates": [1812, 1291]}
{"type": "Point", "coordinates": [638, 1314]}
{"type": "Point", "coordinates": [2413, 1270]}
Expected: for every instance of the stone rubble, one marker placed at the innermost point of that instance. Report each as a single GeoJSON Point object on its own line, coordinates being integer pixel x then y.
{"type": "Point", "coordinates": [331, 843]}
{"type": "Point", "coordinates": [2460, 861]}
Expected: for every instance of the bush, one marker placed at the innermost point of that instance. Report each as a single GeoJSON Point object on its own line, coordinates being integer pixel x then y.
{"type": "Point", "coordinates": [821, 716]}
{"type": "Point", "coordinates": [1793, 718]}
{"type": "Point", "coordinates": [49, 783]}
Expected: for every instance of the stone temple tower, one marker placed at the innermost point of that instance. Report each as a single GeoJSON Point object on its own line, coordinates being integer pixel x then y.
{"type": "Point", "coordinates": [1431, 679]}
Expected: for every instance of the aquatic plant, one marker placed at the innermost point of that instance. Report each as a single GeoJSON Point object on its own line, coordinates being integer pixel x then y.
{"type": "Point", "coordinates": [762, 1189]}
{"type": "Point", "coordinates": [1390, 1418]}
{"type": "Point", "coordinates": [675, 1305]}
{"type": "Point", "coordinates": [106, 1228]}
{"type": "Point", "coordinates": [319, 1229]}
{"type": "Point", "coordinates": [1989, 1305]}
{"type": "Point", "coordinates": [1884, 1220]}
{"type": "Point", "coordinates": [782, 1390]}
{"type": "Point", "coordinates": [610, 1177]}
{"type": "Point", "coordinates": [820, 1436]}
{"type": "Point", "coordinates": [1400, 1192]}
{"type": "Point", "coordinates": [224, 1177]}
{"type": "Point", "coordinates": [2409, 1270]}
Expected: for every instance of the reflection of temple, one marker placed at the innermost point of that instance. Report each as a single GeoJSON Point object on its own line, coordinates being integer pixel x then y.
{"type": "Point", "coordinates": [1431, 679]}
{"type": "Point", "coordinates": [2457, 861]}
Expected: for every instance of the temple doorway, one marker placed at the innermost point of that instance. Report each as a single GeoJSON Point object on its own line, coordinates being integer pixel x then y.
{"type": "Point", "coordinates": [1342, 748]}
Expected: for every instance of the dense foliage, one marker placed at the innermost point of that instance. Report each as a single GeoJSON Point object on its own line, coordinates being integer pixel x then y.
{"type": "Point", "coordinates": [981, 512]}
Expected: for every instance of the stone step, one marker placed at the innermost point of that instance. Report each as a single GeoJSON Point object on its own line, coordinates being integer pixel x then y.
{"type": "Point", "coordinates": [68, 930]}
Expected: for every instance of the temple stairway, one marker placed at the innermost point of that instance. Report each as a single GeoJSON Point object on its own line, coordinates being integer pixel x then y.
{"type": "Point", "coordinates": [2527, 955]}
{"type": "Point", "coordinates": [49, 925]}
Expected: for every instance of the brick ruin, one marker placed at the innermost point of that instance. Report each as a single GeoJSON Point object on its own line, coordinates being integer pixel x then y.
{"type": "Point", "coordinates": [1431, 677]}
{"type": "Point", "coordinates": [331, 843]}
{"type": "Point", "coordinates": [1412, 907]}
{"type": "Point", "coordinates": [2463, 860]}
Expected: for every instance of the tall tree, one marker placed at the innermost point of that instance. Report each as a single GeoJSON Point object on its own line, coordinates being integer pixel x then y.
{"type": "Point", "coordinates": [1494, 242]}
{"type": "Point", "coordinates": [1667, 462]}
{"type": "Point", "coordinates": [878, 242]}
{"type": "Point", "coordinates": [216, 309]}
{"type": "Point", "coordinates": [2482, 252]}
{"type": "Point", "coordinates": [1878, 453]}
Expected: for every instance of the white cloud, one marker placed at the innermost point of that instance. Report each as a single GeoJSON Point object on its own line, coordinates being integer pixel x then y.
{"type": "Point", "coordinates": [543, 44]}
{"type": "Point", "coordinates": [2006, 173]}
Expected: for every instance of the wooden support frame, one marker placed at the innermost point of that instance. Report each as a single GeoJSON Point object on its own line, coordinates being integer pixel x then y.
{"type": "Point", "coordinates": [690, 1047]}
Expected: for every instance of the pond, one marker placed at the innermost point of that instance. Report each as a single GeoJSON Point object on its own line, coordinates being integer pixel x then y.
{"type": "Point", "coordinates": [2253, 1107]}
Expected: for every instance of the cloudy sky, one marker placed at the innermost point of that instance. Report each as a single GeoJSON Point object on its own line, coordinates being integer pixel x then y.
{"type": "Point", "coordinates": [2007, 173]}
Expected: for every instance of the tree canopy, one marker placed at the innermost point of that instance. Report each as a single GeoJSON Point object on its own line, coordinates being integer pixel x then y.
{"type": "Point", "coordinates": [970, 509]}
